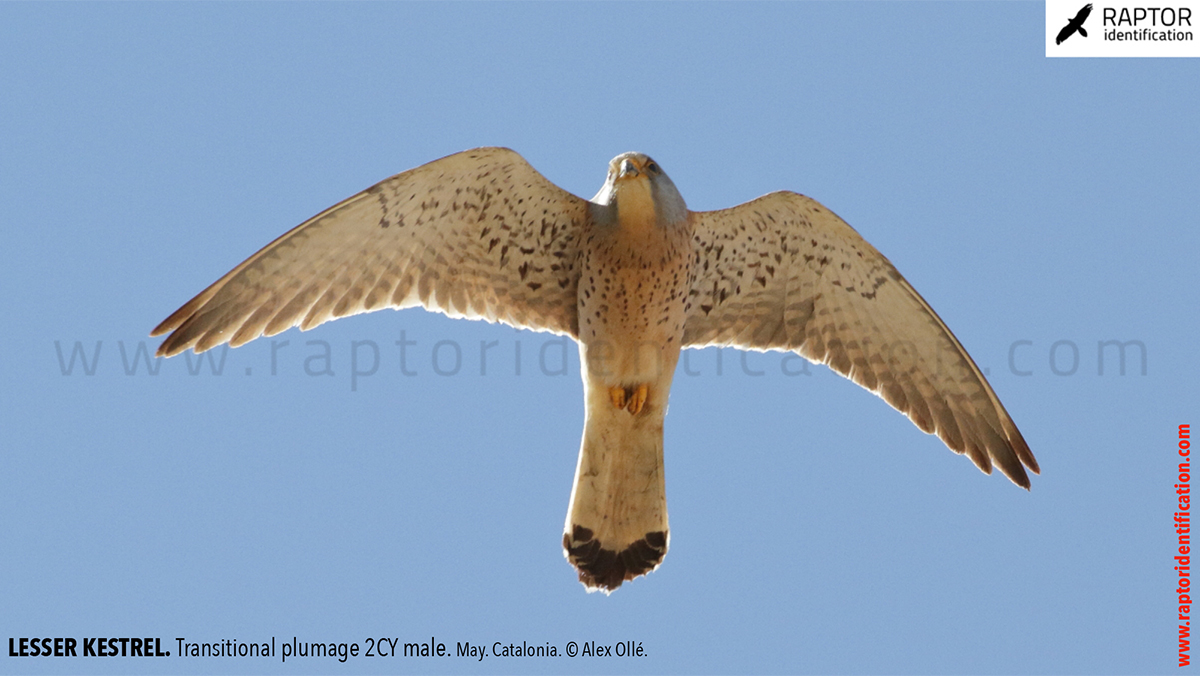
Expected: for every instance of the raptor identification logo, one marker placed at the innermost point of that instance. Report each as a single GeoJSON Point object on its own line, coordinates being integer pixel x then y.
{"type": "Point", "coordinates": [1129, 28]}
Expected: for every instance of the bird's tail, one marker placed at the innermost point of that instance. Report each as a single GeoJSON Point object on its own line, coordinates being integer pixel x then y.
{"type": "Point", "coordinates": [1082, 31]}
{"type": "Point", "coordinates": [616, 525]}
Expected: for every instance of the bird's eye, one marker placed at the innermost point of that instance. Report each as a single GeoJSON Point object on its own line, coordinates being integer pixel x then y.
{"type": "Point", "coordinates": [653, 168]}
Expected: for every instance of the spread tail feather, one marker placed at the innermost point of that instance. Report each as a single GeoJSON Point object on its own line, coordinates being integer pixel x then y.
{"type": "Point", "coordinates": [616, 525]}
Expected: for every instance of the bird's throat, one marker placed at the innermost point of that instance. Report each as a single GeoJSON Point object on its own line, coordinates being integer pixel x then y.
{"type": "Point", "coordinates": [636, 215]}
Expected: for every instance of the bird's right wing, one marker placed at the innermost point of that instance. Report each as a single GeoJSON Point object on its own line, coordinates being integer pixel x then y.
{"type": "Point", "coordinates": [479, 234]}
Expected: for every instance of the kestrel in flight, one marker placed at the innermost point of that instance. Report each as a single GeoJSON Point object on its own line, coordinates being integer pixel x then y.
{"type": "Point", "coordinates": [633, 276]}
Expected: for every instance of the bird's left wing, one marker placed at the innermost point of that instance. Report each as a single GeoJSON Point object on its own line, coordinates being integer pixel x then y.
{"type": "Point", "coordinates": [784, 273]}
{"type": "Point", "coordinates": [479, 234]}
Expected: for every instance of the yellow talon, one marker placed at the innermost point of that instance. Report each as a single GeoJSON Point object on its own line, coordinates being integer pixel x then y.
{"type": "Point", "coordinates": [618, 396]}
{"type": "Point", "coordinates": [638, 400]}
{"type": "Point", "coordinates": [632, 398]}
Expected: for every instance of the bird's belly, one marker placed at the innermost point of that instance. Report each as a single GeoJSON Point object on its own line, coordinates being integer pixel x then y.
{"type": "Point", "coordinates": [631, 326]}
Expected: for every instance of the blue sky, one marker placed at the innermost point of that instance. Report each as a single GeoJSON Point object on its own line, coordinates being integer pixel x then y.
{"type": "Point", "coordinates": [1041, 206]}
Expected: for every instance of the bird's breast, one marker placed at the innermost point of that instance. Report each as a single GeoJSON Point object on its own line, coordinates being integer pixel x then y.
{"type": "Point", "coordinates": [632, 294]}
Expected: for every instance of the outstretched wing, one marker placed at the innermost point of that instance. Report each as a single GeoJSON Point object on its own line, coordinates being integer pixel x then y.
{"type": "Point", "coordinates": [784, 273]}
{"type": "Point", "coordinates": [479, 234]}
{"type": "Point", "coordinates": [1065, 33]}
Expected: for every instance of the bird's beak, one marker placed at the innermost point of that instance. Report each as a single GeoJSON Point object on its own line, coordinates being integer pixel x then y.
{"type": "Point", "coordinates": [627, 170]}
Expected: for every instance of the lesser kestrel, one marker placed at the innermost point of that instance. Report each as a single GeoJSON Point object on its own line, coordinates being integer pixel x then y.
{"type": "Point", "coordinates": [633, 276]}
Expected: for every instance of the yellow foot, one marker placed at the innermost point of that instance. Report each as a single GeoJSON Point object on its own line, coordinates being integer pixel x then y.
{"type": "Point", "coordinates": [618, 396]}
{"type": "Point", "coordinates": [632, 398]}
{"type": "Point", "coordinates": [638, 400]}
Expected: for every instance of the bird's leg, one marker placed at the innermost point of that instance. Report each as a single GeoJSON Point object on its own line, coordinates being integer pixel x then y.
{"type": "Point", "coordinates": [632, 398]}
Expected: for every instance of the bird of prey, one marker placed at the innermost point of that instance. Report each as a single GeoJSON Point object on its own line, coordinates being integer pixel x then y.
{"type": "Point", "coordinates": [1075, 24]}
{"type": "Point", "coordinates": [633, 276]}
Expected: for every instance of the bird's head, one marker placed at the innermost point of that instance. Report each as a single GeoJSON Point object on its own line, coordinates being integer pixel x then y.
{"type": "Point", "coordinates": [638, 188]}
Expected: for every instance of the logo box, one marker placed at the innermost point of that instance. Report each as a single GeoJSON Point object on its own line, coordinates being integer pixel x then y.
{"type": "Point", "coordinates": [1170, 28]}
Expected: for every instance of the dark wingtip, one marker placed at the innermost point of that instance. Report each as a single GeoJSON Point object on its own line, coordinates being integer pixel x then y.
{"type": "Point", "coordinates": [1022, 480]}
{"type": "Point", "coordinates": [1013, 466]}
{"type": "Point", "coordinates": [605, 569]}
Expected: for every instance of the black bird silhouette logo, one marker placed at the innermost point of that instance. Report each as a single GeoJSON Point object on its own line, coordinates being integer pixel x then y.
{"type": "Point", "coordinates": [1075, 24]}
